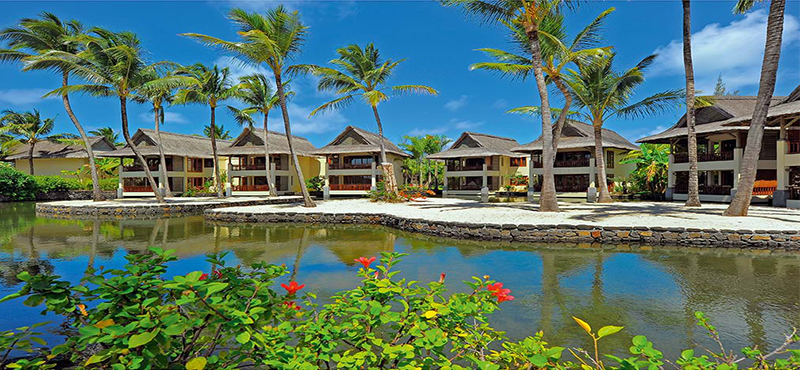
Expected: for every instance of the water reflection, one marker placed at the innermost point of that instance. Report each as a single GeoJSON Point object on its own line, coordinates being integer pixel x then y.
{"type": "Point", "coordinates": [752, 298]}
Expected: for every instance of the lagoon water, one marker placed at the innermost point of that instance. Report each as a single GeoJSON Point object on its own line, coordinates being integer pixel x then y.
{"type": "Point", "coordinates": [753, 298]}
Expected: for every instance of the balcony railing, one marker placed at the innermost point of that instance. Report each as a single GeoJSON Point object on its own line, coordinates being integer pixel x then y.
{"type": "Point", "coordinates": [137, 189]}
{"type": "Point", "coordinates": [351, 186]}
{"type": "Point", "coordinates": [704, 157]}
{"type": "Point", "coordinates": [794, 147]}
{"type": "Point", "coordinates": [765, 187]}
{"type": "Point", "coordinates": [472, 167]}
{"type": "Point", "coordinates": [264, 187]}
{"type": "Point", "coordinates": [138, 167]}
{"type": "Point", "coordinates": [349, 166]}
{"type": "Point", "coordinates": [582, 162]}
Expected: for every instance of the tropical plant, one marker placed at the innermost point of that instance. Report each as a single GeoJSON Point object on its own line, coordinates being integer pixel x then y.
{"type": "Point", "coordinates": [361, 72]}
{"type": "Point", "coordinates": [109, 134]}
{"type": "Point", "coordinates": [769, 69]}
{"type": "Point", "coordinates": [529, 14]}
{"type": "Point", "coordinates": [693, 194]}
{"type": "Point", "coordinates": [720, 89]}
{"type": "Point", "coordinates": [30, 129]}
{"type": "Point", "coordinates": [48, 184]}
{"type": "Point", "coordinates": [651, 173]}
{"type": "Point", "coordinates": [273, 38]}
{"type": "Point", "coordinates": [601, 93]}
{"type": "Point", "coordinates": [257, 93]}
{"type": "Point", "coordinates": [16, 185]}
{"type": "Point", "coordinates": [33, 38]}
{"type": "Point", "coordinates": [420, 147]}
{"type": "Point", "coordinates": [315, 183]}
{"type": "Point", "coordinates": [210, 87]}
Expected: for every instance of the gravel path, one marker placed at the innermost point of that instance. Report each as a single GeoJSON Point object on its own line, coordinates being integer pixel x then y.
{"type": "Point", "coordinates": [648, 214]}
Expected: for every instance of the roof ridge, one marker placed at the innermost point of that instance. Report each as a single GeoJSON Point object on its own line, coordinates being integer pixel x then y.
{"type": "Point", "coordinates": [280, 133]}
{"type": "Point", "coordinates": [191, 136]}
{"type": "Point", "coordinates": [489, 135]}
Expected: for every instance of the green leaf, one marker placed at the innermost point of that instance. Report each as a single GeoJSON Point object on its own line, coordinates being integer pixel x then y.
{"type": "Point", "coordinates": [639, 341]}
{"type": "Point", "coordinates": [608, 330]}
{"type": "Point", "coordinates": [10, 296]}
{"type": "Point", "coordinates": [197, 363]}
{"type": "Point", "coordinates": [215, 287]}
{"type": "Point", "coordinates": [142, 339]}
{"type": "Point", "coordinates": [97, 357]}
{"type": "Point", "coordinates": [243, 337]}
{"type": "Point", "coordinates": [539, 360]}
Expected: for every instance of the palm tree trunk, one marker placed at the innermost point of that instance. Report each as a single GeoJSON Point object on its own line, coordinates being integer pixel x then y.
{"type": "Point", "coordinates": [217, 183]}
{"type": "Point", "coordinates": [548, 202]}
{"type": "Point", "coordinates": [769, 68]}
{"type": "Point", "coordinates": [272, 191]}
{"type": "Point", "coordinates": [161, 157]}
{"type": "Point", "coordinates": [602, 186]}
{"type": "Point", "coordinates": [30, 155]}
{"type": "Point", "coordinates": [123, 107]}
{"type": "Point", "coordinates": [388, 170]}
{"type": "Point", "coordinates": [562, 118]}
{"type": "Point", "coordinates": [693, 198]}
{"type": "Point", "coordinates": [307, 201]}
{"type": "Point", "coordinates": [97, 194]}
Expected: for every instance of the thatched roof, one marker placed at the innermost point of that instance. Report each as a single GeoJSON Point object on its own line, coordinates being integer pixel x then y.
{"type": "Point", "coordinates": [146, 142]}
{"type": "Point", "coordinates": [473, 144]}
{"type": "Point", "coordinates": [356, 140]}
{"type": "Point", "coordinates": [52, 149]}
{"type": "Point", "coordinates": [710, 119]}
{"type": "Point", "coordinates": [250, 142]}
{"type": "Point", "coordinates": [580, 135]}
{"type": "Point", "coordinates": [790, 106]}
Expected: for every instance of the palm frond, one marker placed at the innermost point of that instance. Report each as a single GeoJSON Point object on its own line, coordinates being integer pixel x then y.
{"type": "Point", "coordinates": [651, 105]}
{"type": "Point", "coordinates": [333, 105]}
{"type": "Point", "coordinates": [414, 89]}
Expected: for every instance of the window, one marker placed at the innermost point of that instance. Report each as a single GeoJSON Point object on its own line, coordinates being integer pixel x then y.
{"type": "Point", "coordinates": [519, 162]}
{"type": "Point", "coordinates": [195, 182]}
{"type": "Point", "coordinates": [195, 165]}
{"type": "Point", "coordinates": [208, 163]}
{"type": "Point", "coordinates": [610, 159]}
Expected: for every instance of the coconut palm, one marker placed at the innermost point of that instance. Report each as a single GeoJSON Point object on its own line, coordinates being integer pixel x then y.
{"type": "Point", "coordinates": [211, 86]}
{"type": "Point", "coordinates": [257, 93]}
{"type": "Point", "coordinates": [693, 196]}
{"type": "Point", "coordinates": [219, 132]}
{"type": "Point", "coordinates": [272, 39]}
{"type": "Point", "coordinates": [601, 93]}
{"type": "Point", "coordinates": [769, 68]}
{"type": "Point", "coordinates": [108, 133]}
{"type": "Point", "coordinates": [360, 72]}
{"type": "Point", "coordinates": [38, 36]}
{"type": "Point", "coordinates": [530, 15]}
{"type": "Point", "coordinates": [113, 66]}
{"type": "Point", "coordinates": [30, 128]}
{"type": "Point", "coordinates": [420, 147]}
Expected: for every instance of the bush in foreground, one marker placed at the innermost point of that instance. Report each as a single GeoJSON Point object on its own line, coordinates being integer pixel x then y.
{"type": "Point", "coordinates": [136, 318]}
{"type": "Point", "coordinates": [16, 185]}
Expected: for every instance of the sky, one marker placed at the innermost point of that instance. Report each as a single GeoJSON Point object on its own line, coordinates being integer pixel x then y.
{"type": "Point", "coordinates": [437, 45]}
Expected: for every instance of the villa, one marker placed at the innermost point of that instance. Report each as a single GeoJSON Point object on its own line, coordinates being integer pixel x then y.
{"type": "Point", "coordinates": [575, 167]}
{"type": "Point", "coordinates": [480, 165]}
{"type": "Point", "coordinates": [50, 158]}
{"type": "Point", "coordinates": [721, 138]}
{"type": "Point", "coordinates": [189, 162]}
{"type": "Point", "coordinates": [351, 162]}
{"type": "Point", "coordinates": [247, 163]}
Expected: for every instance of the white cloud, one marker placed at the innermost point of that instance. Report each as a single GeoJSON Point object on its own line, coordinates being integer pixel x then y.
{"type": "Point", "coordinates": [303, 124]}
{"type": "Point", "coordinates": [454, 105]}
{"type": "Point", "coordinates": [735, 50]}
{"type": "Point", "coordinates": [454, 125]}
{"type": "Point", "coordinates": [169, 117]}
{"type": "Point", "coordinates": [500, 103]}
{"type": "Point", "coordinates": [24, 96]}
{"type": "Point", "coordinates": [240, 68]}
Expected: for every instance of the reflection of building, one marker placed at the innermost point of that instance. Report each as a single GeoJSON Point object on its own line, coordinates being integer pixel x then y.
{"type": "Point", "coordinates": [189, 162]}
{"type": "Point", "coordinates": [352, 161]}
{"type": "Point", "coordinates": [575, 168]}
{"type": "Point", "coordinates": [722, 130]}
{"type": "Point", "coordinates": [247, 163]}
{"type": "Point", "coordinates": [479, 161]}
{"type": "Point", "coordinates": [50, 158]}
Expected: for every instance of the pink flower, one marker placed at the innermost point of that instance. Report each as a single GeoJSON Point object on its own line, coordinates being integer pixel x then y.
{"type": "Point", "coordinates": [293, 287]}
{"type": "Point", "coordinates": [365, 261]}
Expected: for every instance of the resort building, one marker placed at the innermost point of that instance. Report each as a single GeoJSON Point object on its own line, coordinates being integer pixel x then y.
{"type": "Point", "coordinates": [189, 162]}
{"type": "Point", "coordinates": [575, 168]}
{"type": "Point", "coordinates": [50, 158]}
{"type": "Point", "coordinates": [247, 163]}
{"type": "Point", "coordinates": [352, 162]}
{"type": "Point", "coordinates": [480, 165]}
{"type": "Point", "coordinates": [721, 138]}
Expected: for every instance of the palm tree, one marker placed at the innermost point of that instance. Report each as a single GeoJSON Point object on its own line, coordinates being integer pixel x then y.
{"type": "Point", "coordinates": [420, 147]}
{"type": "Point", "coordinates": [652, 161]}
{"type": "Point", "coordinates": [601, 93]}
{"type": "Point", "coordinates": [272, 39]}
{"type": "Point", "coordinates": [219, 132]}
{"type": "Point", "coordinates": [529, 14]}
{"type": "Point", "coordinates": [211, 86]}
{"type": "Point", "coordinates": [30, 128]}
{"type": "Point", "coordinates": [769, 68]}
{"type": "Point", "coordinates": [109, 134]}
{"type": "Point", "coordinates": [48, 33]}
{"type": "Point", "coordinates": [362, 72]}
{"type": "Point", "coordinates": [256, 91]}
{"type": "Point", "coordinates": [113, 66]}
{"type": "Point", "coordinates": [693, 196]}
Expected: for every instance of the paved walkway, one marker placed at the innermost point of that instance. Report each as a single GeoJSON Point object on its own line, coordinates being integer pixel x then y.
{"type": "Point", "coordinates": [631, 214]}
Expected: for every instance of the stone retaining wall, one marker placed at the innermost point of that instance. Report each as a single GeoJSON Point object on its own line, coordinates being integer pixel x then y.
{"type": "Point", "coordinates": [56, 210]}
{"type": "Point", "coordinates": [776, 240]}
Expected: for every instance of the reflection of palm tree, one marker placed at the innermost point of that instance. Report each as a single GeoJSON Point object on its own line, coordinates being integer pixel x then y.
{"type": "Point", "coordinates": [301, 248]}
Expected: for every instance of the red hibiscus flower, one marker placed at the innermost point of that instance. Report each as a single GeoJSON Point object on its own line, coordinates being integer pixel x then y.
{"type": "Point", "coordinates": [204, 276]}
{"type": "Point", "coordinates": [503, 298]}
{"type": "Point", "coordinates": [441, 277]}
{"type": "Point", "coordinates": [494, 287]}
{"type": "Point", "coordinates": [293, 287]}
{"type": "Point", "coordinates": [217, 274]}
{"type": "Point", "coordinates": [292, 305]}
{"type": "Point", "coordinates": [365, 261]}
{"type": "Point", "coordinates": [498, 292]}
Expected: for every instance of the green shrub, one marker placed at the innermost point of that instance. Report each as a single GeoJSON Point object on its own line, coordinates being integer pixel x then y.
{"type": "Point", "coordinates": [141, 317]}
{"type": "Point", "coordinates": [110, 184]}
{"type": "Point", "coordinates": [16, 185]}
{"type": "Point", "coordinates": [315, 183]}
{"type": "Point", "coordinates": [48, 184]}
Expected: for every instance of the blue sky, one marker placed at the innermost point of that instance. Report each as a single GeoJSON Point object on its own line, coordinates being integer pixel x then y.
{"type": "Point", "coordinates": [438, 44]}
